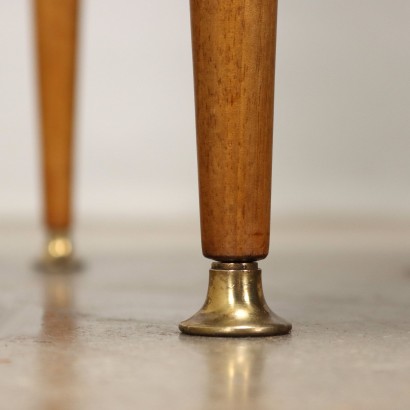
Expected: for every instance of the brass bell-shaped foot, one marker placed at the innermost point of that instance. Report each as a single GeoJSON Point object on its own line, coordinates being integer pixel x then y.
{"type": "Point", "coordinates": [235, 305]}
{"type": "Point", "coordinates": [58, 254]}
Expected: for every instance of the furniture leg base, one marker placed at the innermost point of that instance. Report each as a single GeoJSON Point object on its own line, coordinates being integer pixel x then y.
{"type": "Point", "coordinates": [58, 255]}
{"type": "Point", "coordinates": [235, 305]}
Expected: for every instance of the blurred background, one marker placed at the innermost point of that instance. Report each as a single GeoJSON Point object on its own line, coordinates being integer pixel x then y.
{"type": "Point", "coordinates": [342, 122]}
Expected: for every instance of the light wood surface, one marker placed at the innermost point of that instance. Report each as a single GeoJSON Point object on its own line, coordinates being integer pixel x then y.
{"type": "Point", "coordinates": [234, 60]}
{"type": "Point", "coordinates": [56, 27]}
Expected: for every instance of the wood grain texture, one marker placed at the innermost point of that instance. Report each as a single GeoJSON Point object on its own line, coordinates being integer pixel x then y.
{"type": "Point", "coordinates": [234, 60]}
{"type": "Point", "coordinates": [56, 27]}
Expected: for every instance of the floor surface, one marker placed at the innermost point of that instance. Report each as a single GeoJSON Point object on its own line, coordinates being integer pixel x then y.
{"type": "Point", "coordinates": [107, 338]}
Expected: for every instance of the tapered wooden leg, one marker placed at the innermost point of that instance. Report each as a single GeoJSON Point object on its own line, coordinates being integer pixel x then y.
{"type": "Point", "coordinates": [234, 61]}
{"type": "Point", "coordinates": [56, 32]}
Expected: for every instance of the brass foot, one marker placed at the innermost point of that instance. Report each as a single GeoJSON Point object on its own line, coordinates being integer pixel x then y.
{"type": "Point", "coordinates": [58, 254]}
{"type": "Point", "coordinates": [235, 305]}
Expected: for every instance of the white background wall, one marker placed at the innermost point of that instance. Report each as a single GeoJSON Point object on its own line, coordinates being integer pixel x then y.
{"type": "Point", "coordinates": [342, 115]}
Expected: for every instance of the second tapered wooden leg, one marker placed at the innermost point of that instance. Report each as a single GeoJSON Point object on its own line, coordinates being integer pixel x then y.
{"type": "Point", "coordinates": [234, 61]}
{"type": "Point", "coordinates": [56, 28]}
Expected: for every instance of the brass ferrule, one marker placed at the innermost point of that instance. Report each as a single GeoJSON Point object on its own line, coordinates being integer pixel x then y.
{"type": "Point", "coordinates": [58, 253]}
{"type": "Point", "coordinates": [235, 305]}
{"type": "Point", "coordinates": [59, 246]}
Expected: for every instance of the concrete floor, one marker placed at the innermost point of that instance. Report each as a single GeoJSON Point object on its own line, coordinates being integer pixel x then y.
{"type": "Point", "coordinates": [107, 338]}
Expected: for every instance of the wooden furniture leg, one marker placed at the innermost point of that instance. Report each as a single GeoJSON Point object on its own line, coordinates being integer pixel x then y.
{"type": "Point", "coordinates": [234, 61]}
{"type": "Point", "coordinates": [56, 32]}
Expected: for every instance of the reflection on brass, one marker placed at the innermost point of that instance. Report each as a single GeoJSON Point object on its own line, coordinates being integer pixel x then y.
{"type": "Point", "coordinates": [58, 253]}
{"type": "Point", "coordinates": [235, 371]}
{"type": "Point", "coordinates": [235, 305]}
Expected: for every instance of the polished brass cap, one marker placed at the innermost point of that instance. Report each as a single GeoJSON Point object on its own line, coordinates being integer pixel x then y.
{"type": "Point", "coordinates": [58, 253]}
{"type": "Point", "coordinates": [235, 305]}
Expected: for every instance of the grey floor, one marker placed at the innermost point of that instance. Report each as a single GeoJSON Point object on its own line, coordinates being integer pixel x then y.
{"type": "Point", "coordinates": [107, 338]}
